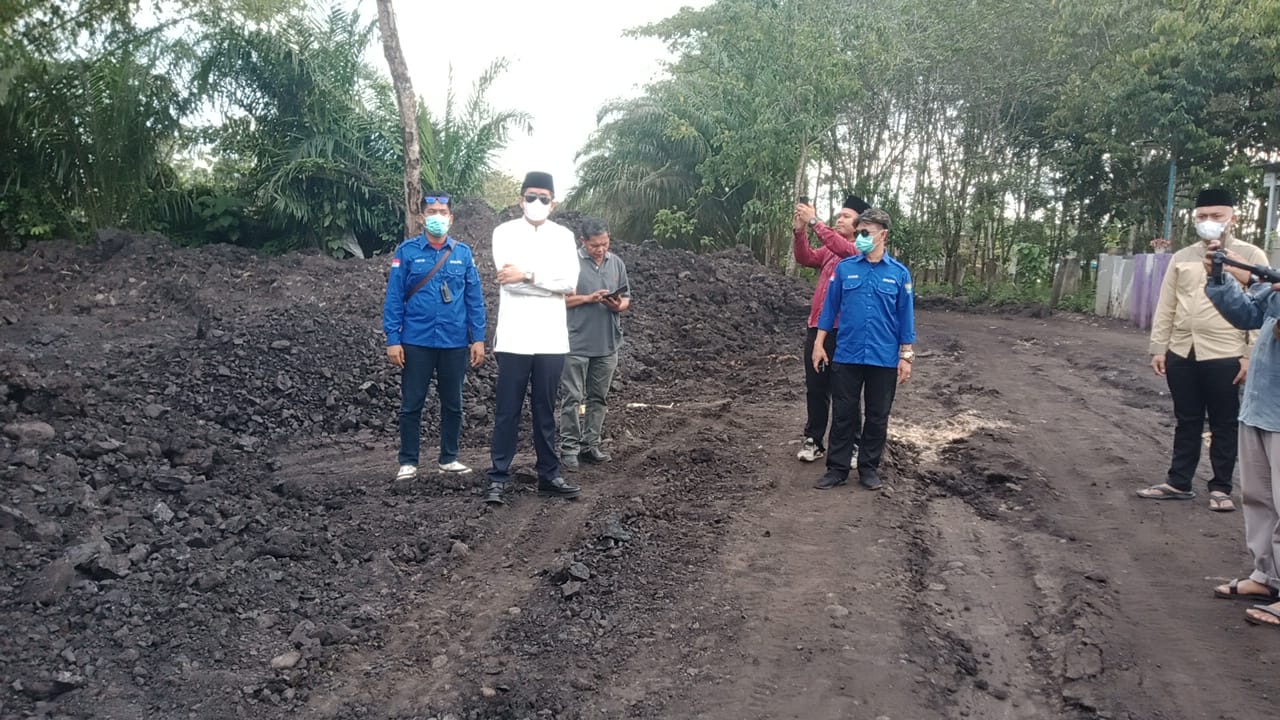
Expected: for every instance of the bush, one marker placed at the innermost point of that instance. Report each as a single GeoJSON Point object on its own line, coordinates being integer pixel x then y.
{"type": "Point", "coordinates": [975, 294]}
{"type": "Point", "coordinates": [1082, 301]}
{"type": "Point", "coordinates": [26, 215]}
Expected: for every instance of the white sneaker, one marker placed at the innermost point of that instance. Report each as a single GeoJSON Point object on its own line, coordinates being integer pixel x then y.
{"type": "Point", "coordinates": [407, 472]}
{"type": "Point", "coordinates": [455, 467]}
{"type": "Point", "coordinates": [810, 451]}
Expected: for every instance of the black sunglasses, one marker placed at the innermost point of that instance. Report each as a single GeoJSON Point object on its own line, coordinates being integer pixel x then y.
{"type": "Point", "coordinates": [442, 199]}
{"type": "Point", "coordinates": [534, 197]}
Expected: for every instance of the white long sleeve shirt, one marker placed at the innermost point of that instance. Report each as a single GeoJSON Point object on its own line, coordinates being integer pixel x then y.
{"type": "Point", "coordinates": [532, 318]}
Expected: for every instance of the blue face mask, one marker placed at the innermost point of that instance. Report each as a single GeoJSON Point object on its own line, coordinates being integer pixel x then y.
{"type": "Point", "coordinates": [864, 243]}
{"type": "Point", "coordinates": [437, 226]}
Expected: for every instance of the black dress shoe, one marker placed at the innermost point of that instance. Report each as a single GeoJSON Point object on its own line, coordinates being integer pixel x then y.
{"type": "Point", "coordinates": [595, 455]}
{"type": "Point", "coordinates": [557, 487]}
{"type": "Point", "coordinates": [831, 480]}
{"type": "Point", "coordinates": [870, 479]}
{"type": "Point", "coordinates": [493, 495]}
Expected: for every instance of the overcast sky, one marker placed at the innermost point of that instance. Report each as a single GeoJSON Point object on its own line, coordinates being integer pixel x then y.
{"type": "Point", "coordinates": [568, 58]}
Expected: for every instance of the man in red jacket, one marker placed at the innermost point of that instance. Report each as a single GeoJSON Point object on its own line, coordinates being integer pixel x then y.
{"type": "Point", "coordinates": [837, 244]}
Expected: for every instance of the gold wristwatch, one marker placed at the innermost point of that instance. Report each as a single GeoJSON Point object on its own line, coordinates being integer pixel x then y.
{"type": "Point", "coordinates": [908, 355]}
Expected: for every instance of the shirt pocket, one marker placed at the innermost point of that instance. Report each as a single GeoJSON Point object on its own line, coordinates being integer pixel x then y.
{"type": "Point", "coordinates": [887, 289]}
{"type": "Point", "coordinates": [1191, 279]}
{"type": "Point", "coordinates": [417, 271]}
{"type": "Point", "coordinates": [851, 283]}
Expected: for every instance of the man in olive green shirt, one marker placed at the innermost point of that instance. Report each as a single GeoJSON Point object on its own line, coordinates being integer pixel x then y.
{"type": "Point", "coordinates": [1202, 357]}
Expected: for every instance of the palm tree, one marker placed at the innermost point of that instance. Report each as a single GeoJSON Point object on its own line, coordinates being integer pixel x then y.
{"type": "Point", "coordinates": [458, 150]}
{"type": "Point", "coordinates": [91, 136]}
{"type": "Point", "coordinates": [318, 126]}
{"type": "Point", "coordinates": [645, 158]}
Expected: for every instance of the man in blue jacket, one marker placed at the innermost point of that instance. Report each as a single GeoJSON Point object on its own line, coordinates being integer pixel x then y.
{"type": "Point", "coordinates": [872, 298]}
{"type": "Point", "coordinates": [434, 319]}
{"type": "Point", "coordinates": [1259, 435]}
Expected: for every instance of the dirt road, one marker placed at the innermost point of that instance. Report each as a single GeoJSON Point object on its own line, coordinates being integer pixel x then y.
{"type": "Point", "coordinates": [1007, 572]}
{"type": "Point", "coordinates": [197, 520]}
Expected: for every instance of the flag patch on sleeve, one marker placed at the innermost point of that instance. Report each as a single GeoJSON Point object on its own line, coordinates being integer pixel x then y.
{"type": "Point", "coordinates": [395, 262]}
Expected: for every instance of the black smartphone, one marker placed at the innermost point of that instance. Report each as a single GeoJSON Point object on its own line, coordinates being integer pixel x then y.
{"type": "Point", "coordinates": [803, 199]}
{"type": "Point", "coordinates": [616, 294]}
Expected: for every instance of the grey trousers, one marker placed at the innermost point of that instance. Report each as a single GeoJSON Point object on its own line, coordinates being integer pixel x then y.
{"type": "Point", "coordinates": [585, 380]}
{"type": "Point", "coordinates": [1260, 491]}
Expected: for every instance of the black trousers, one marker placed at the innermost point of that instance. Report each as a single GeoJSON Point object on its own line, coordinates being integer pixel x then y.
{"type": "Point", "coordinates": [817, 388]}
{"type": "Point", "coordinates": [515, 375]}
{"type": "Point", "coordinates": [850, 385]}
{"type": "Point", "coordinates": [1200, 388]}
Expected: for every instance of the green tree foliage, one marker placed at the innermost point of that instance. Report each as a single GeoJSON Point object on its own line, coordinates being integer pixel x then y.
{"type": "Point", "coordinates": [250, 121]}
{"type": "Point", "coordinates": [314, 126]}
{"type": "Point", "coordinates": [756, 83]}
{"type": "Point", "coordinates": [97, 137]}
{"type": "Point", "coordinates": [643, 162]}
{"type": "Point", "coordinates": [1002, 134]}
{"type": "Point", "coordinates": [459, 148]}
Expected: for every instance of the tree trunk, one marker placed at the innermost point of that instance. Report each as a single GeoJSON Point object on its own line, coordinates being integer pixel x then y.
{"type": "Point", "coordinates": [408, 104]}
{"type": "Point", "coordinates": [797, 190]}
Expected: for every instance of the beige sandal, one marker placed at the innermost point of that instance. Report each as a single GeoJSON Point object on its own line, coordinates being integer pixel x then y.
{"type": "Point", "coordinates": [1165, 491]}
{"type": "Point", "coordinates": [1255, 615]}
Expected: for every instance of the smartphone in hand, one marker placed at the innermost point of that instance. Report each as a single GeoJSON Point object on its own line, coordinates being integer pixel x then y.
{"type": "Point", "coordinates": [617, 294]}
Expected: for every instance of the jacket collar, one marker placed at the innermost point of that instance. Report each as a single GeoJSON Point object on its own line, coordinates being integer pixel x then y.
{"type": "Point", "coordinates": [422, 240]}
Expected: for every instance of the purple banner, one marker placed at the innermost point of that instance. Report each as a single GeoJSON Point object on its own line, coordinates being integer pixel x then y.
{"type": "Point", "coordinates": [1148, 274]}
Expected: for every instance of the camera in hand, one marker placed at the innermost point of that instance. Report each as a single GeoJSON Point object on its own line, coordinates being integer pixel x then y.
{"type": "Point", "coordinates": [1220, 259]}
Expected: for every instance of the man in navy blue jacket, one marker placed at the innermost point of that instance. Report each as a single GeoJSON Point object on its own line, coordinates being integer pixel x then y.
{"type": "Point", "coordinates": [872, 297]}
{"type": "Point", "coordinates": [433, 328]}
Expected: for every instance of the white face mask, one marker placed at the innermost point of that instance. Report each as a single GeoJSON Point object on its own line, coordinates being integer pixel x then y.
{"type": "Point", "coordinates": [537, 211]}
{"type": "Point", "coordinates": [1210, 229]}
